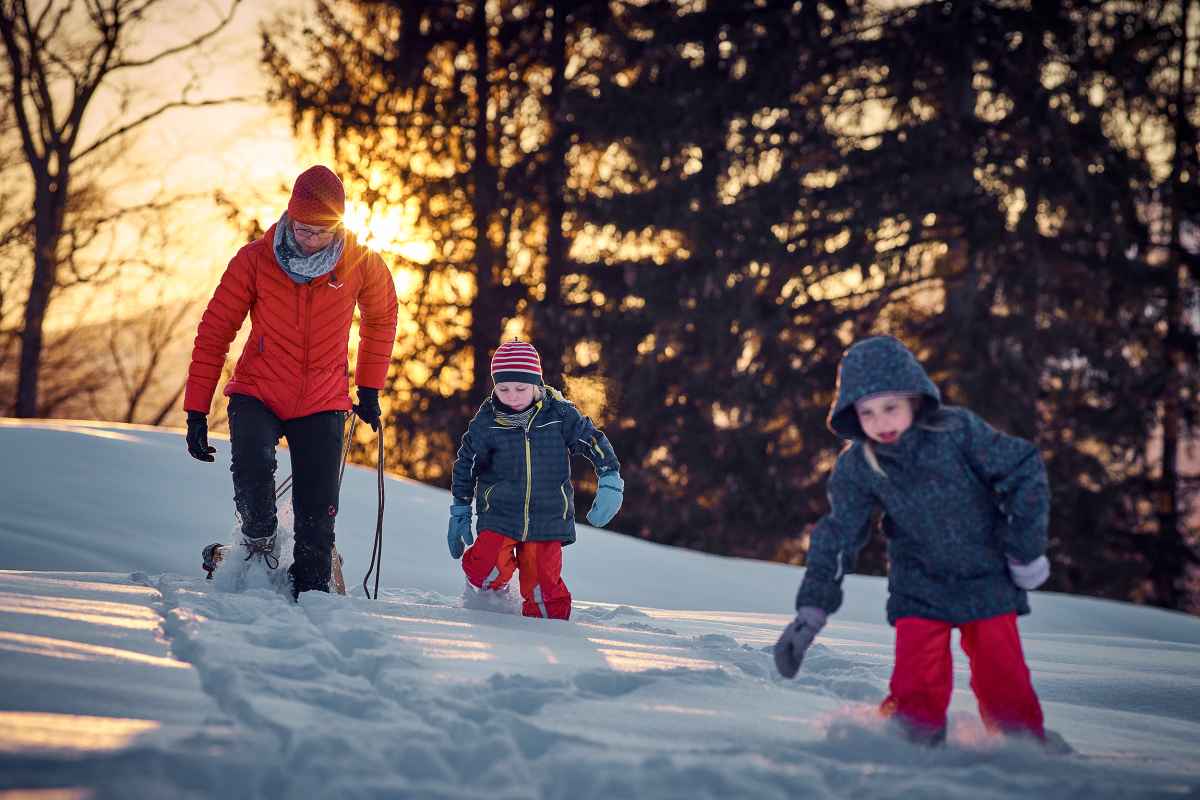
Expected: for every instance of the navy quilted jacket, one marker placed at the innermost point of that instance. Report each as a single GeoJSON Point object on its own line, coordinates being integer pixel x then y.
{"type": "Point", "coordinates": [957, 499]}
{"type": "Point", "coordinates": [520, 478]}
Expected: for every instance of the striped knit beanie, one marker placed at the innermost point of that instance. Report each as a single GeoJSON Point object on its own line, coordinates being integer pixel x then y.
{"type": "Point", "coordinates": [518, 362]}
{"type": "Point", "coordinates": [318, 198]}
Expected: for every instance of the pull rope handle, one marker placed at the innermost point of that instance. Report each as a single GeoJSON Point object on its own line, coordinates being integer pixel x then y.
{"type": "Point", "coordinates": [377, 549]}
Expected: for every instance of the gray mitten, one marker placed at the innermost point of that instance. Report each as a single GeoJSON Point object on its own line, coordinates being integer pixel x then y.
{"type": "Point", "coordinates": [1032, 575]}
{"type": "Point", "coordinates": [796, 638]}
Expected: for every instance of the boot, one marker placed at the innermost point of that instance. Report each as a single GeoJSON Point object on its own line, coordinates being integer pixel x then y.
{"type": "Point", "coordinates": [312, 556]}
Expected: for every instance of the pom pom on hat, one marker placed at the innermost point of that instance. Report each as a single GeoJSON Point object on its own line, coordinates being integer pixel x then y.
{"type": "Point", "coordinates": [518, 362]}
{"type": "Point", "coordinates": [318, 198]}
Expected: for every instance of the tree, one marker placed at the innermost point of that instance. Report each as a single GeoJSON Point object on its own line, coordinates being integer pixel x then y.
{"type": "Point", "coordinates": [442, 109]}
{"type": "Point", "coordinates": [60, 60]}
{"type": "Point", "coordinates": [1175, 550]}
{"type": "Point", "coordinates": [710, 118]}
{"type": "Point", "coordinates": [703, 203]}
{"type": "Point", "coordinates": [1015, 157]}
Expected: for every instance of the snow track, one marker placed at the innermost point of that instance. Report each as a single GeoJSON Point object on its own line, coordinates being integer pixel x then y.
{"type": "Point", "coordinates": [152, 685]}
{"type": "Point", "coordinates": [414, 696]}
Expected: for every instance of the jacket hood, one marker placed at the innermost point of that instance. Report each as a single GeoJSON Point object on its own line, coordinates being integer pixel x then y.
{"type": "Point", "coordinates": [874, 366]}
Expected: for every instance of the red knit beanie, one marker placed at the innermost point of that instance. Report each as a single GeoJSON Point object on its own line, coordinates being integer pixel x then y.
{"type": "Point", "coordinates": [518, 362]}
{"type": "Point", "coordinates": [318, 198]}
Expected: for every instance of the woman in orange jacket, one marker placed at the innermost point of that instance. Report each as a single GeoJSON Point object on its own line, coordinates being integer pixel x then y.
{"type": "Point", "coordinates": [300, 284]}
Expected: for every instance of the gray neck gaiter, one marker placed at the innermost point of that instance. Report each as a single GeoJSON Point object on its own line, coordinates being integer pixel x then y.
{"type": "Point", "coordinates": [299, 267]}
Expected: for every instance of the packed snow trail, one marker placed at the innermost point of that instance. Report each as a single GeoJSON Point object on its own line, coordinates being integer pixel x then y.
{"type": "Point", "coordinates": [417, 696]}
{"type": "Point", "coordinates": [123, 673]}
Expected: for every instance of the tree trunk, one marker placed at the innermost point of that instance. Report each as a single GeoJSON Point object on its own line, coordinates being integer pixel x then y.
{"type": "Point", "coordinates": [49, 208]}
{"type": "Point", "coordinates": [548, 313]}
{"type": "Point", "coordinates": [1168, 566]}
{"type": "Point", "coordinates": [487, 314]}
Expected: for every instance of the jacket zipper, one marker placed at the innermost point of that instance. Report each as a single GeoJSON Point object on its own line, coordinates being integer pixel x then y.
{"type": "Point", "coordinates": [528, 473]}
{"type": "Point", "coordinates": [307, 322]}
{"type": "Point", "coordinates": [566, 503]}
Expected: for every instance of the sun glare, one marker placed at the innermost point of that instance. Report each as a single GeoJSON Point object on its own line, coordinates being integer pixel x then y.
{"type": "Point", "coordinates": [29, 731]}
{"type": "Point", "coordinates": [67, 650]}
{"type": "Point", "coordinates": [388, 229]}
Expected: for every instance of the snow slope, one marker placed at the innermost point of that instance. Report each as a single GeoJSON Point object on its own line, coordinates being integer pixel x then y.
{"type": "Point", "coordinates": [123, 673]}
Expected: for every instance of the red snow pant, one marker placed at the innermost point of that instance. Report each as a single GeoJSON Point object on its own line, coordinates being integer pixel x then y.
{"type": "Point", "coordinates": [491, 561]}
{"type": "Point", "coordinates": [923, 676]}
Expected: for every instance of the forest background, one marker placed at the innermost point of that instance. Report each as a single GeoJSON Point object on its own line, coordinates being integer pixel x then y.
{"type": "Point", "coordinates": [691, 207]}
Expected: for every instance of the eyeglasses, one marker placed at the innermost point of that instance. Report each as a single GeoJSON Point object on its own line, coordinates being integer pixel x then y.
{"type": "Point", "coordinates": [310, 232]}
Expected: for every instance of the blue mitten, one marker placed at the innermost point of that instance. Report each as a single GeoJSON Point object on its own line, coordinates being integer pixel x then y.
{"type": "Point", "coordinates": [796, 639]}
{"type": "Point", "coordinates": [459, 536]}
{"type": "Point", "coordinates": [608, 499]}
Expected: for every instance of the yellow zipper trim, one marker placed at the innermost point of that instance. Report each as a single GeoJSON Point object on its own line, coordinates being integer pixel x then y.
{"type": "Point", "coordinates": [528, 473]}
{"type": "Point", "coordinates": [487, 502]}
{"type": "Point", "coordinates": [566, 503]}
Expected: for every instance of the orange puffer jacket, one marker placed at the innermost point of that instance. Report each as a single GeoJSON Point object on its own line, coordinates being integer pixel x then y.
{"type": "Point", "coordinates": [295, 360]}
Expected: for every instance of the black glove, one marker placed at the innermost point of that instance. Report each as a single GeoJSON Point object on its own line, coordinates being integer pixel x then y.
{"type": "Point", "coordinates": [367, 406]}
{"type": "Point", "coordinates": [197, 436]}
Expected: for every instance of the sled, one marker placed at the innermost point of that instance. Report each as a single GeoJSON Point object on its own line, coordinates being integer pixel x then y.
{"type": "Point", "coordinates": [215, 554]}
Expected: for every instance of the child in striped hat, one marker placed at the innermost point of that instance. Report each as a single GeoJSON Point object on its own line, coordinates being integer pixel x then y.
{"type": "Point", "coordinates": [514, 464]}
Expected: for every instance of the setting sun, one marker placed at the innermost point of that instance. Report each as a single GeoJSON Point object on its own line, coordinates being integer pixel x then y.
{"type": "Point", "coordinates": [388, 229]}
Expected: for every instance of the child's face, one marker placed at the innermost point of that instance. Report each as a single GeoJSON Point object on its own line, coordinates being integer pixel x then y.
{"type": "Point", "coordinates": [885, 417]}
{"type": "Point", "coordinates": [517, 396]}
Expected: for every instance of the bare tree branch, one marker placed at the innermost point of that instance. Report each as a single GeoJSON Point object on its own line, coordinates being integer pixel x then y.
{"type": "Point", "coordinates": [142, 120]}
{"type": "Point", "coordinates": [191, 44]}
{"type": "Point", "coordinates": [56, 59]}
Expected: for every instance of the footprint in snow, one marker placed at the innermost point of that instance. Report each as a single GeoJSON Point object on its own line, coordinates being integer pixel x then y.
{"type": "Point", "coordinates": [609, 683]}
{"type": "Point", "coordinates": [597, 614]}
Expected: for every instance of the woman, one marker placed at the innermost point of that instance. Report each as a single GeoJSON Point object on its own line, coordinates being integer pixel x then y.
{"type": "Point", "coordinates": [300, 283]}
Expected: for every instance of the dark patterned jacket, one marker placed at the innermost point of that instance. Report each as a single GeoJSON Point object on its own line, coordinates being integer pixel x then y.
{"type": "Point", "coordinates": [520, 478]}
{"type": "Point", "coordinates": [957, 499]}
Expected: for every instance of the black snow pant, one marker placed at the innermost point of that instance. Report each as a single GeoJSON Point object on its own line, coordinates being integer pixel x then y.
{"type": "Point", "coordinates": [315, 444]}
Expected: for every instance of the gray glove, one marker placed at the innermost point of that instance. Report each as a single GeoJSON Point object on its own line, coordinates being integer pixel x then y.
{"type": "Point", "coordinates": [1029, 576]}
{"type": "Point", "coordinates": [796, 638]}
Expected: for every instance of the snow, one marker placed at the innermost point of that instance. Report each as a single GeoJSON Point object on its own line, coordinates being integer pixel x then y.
{"type": "Point", "coordinates": [123, 673]}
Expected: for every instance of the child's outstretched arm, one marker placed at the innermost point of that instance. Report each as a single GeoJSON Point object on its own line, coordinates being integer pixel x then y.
{"type": "Point", "coordinates": [1014, 470]}
{"type": "Point", "coordinates": [462, 491]}
{"type": "Point", "coordinates": [585, 439]}
{"type": "Point", "coordinates": [462, 480]}
{"type": "Point", "coordinates": [836, 540]}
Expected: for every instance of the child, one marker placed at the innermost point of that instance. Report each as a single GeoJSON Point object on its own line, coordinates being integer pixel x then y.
{"type": "Point", "coordinates": [965, 515]}
{"type": "Point", "coordinates": [515, 460]}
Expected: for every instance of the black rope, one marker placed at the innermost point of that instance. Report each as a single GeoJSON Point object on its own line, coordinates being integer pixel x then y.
{"type": "Point", "coordinates": [346, 440]}
{"type": "Point", "coordinates": [255, 548]}
{"type": "Point", "coordinates": [377, 550]}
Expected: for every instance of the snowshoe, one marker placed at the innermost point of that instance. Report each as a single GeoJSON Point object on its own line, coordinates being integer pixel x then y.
{"type": "Point", "coordinates": [214, 554]}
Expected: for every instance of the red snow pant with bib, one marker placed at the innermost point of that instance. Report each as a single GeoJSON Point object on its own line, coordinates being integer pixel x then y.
{"type": "Point", "coordinates": [491, 561]}
{"type": "Point", "coordinates": [923, 676]}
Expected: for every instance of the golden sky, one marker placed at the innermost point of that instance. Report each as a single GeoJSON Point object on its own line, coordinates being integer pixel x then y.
{"type": "Point", "coordinates": [245, 150]}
